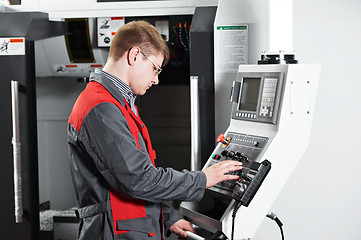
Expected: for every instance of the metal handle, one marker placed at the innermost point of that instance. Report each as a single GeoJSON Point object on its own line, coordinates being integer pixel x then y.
{"type": "Point", "coordinates": [16, 152]}
{"type": "Point", "coordinates": [193, 236]}
{"type": "Point", "coordinates": [195, 150]}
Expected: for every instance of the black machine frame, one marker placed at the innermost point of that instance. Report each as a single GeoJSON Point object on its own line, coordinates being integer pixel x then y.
{"type": "Point", "coordinates": [31, 26]}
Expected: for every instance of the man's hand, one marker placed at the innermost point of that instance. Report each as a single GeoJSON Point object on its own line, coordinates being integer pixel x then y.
{"type": "Point", "coordinates": [217, 172]}
{"type": "Point", "coordinates": [180, 227]}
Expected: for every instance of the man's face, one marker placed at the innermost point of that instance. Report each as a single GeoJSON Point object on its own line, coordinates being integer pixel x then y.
{"type": "Point", "coordinates": [145, 74]}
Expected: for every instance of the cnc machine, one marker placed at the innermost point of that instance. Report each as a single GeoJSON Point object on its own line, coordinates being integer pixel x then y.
{"type": "Point", "coordinates": [269, 130]}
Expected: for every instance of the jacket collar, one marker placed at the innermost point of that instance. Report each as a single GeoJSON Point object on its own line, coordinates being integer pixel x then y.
{"type": "Point", "coordinates": [108, 85]}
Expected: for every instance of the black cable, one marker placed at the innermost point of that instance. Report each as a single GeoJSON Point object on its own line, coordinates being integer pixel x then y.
{"type": "Point", "coordinates": [283, 237]}
{"type": "Point", "coordinates": [234, 216]}
{"type": "Point", "coordinates": [274, 217]}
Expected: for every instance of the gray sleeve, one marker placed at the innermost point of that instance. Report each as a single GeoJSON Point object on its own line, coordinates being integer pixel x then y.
{"type": "Point", "coordinates": [171, 216]}
{"type": "Point", "coordinates": [106, 137]}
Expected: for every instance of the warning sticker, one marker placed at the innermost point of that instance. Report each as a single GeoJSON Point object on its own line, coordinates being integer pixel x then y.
{"type": "Point", "coordinates": [12, 46]}
{"type": "Point", "coordinates": [107, 27]}
{"type": "Point", "coordinates": [76, 69]}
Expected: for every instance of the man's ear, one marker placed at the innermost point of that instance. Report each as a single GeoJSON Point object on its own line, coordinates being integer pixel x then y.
{"type": "Point", "coordinates": [132, 55]}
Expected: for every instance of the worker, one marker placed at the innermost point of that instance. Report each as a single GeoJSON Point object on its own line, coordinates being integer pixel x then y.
{"type": "Point", "coordinates": [119, 190]}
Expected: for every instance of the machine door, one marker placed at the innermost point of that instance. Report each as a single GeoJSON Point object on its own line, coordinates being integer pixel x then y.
{"type": "Point", "coordinates": [16, 68]}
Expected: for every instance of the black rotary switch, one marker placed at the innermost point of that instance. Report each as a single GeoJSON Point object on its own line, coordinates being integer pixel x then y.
{"type": "Point", "coordinates": [231, 154]}
{"type": "Point", "coordinates": [224, 153]}
{"type": "Point", "coordinates": [238, 156]}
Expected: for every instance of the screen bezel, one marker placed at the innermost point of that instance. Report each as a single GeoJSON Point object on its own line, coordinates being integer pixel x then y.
{"type": "Point", "coordinates": [238, 114]}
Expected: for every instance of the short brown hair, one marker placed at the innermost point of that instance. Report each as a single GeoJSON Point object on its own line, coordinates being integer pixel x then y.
{"type": "Point", "coordinates": [141, 34]}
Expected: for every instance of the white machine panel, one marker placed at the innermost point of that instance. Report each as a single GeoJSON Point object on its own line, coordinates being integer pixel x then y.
{"type": "Point", "coordinates": [272, 111]}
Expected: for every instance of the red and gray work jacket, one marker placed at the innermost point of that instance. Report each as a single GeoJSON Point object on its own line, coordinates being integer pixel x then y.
{"type": "Point", "coordinates": [118, 189]}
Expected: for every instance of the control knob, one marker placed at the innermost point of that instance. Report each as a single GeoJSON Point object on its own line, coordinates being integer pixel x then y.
{"type": "Point", "coordinates": [235, 155]}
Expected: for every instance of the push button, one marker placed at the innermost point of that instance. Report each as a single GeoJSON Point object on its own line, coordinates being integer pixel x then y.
{"type": "Point", "coordinates": [215, 156]}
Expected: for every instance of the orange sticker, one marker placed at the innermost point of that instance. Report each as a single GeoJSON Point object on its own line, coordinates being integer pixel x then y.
{"type": "Point", "coordinates": [16, 40]}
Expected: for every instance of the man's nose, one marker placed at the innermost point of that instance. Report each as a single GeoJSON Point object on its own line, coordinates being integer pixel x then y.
{"type": "Point", "coordinates": [155, 80]}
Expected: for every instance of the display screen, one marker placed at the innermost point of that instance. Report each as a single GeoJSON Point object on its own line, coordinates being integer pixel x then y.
{"type": "Point", "coordinates": [249, 94]}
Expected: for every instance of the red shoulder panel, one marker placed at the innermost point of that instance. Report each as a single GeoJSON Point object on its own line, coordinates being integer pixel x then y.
{"type": "Point", "coordinates": [93, 94]}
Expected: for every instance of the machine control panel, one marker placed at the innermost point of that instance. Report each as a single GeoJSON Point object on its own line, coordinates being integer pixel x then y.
{"type": "Point", "coordinates": [217, 199]}
{"type": "Point", "coordinates": [260, 126]}
{"type": "Point", "coordinates": [239, 147]}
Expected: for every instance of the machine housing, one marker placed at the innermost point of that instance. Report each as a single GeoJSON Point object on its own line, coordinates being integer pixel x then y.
{"type": "Point", "coordinates": [272, 111]}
